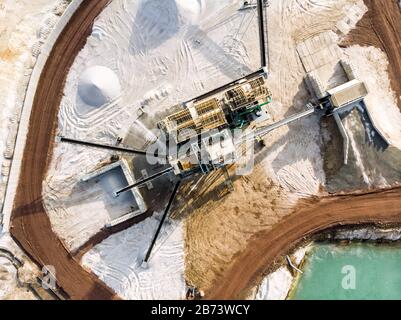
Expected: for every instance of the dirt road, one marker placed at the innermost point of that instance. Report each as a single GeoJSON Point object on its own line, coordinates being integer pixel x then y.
{"type": "Point", "coordinates": [380, 27]}
{"type": "Point", "coordinates": [312, 216]}
{"type": "Point", "coordinates": [30, 225]}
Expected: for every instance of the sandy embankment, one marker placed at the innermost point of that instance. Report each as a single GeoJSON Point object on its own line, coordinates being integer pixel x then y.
{"type": "Point", "coordinates": [24, 27]}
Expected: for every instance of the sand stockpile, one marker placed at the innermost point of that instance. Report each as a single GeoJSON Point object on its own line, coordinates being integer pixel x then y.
{"type": "Point", "coordinates": [118, 262]}
{"type": "Point", "coordinates": [98, 86]}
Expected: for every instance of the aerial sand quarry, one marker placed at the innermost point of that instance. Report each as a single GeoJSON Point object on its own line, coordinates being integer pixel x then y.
{"type": "Point", "coordinates": [119, 71]}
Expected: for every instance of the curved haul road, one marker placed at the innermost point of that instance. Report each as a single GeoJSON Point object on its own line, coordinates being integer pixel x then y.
{"type": "Point", "coordinates": [30, 225]}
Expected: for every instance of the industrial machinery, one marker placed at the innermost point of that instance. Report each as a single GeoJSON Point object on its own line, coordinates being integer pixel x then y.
{"type": "Point", "coordinates": [202, 128]}
{"type": "Point", "coordinates": [205, 125]}
{"type": "Point", "coordinates": [252, 5]}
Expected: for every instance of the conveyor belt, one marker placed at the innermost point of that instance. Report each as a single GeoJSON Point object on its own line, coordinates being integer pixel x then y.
{"type": "Point", "coordinates": [170, 202]}
{"type": "Point", "coordinates": [262, 131]}
{"type": "Point", "coordinates": [143, 181]}
{"type": "Point", "coordinates": [262, 35]}
{"type": "Point", "coordinates": [108, 147]}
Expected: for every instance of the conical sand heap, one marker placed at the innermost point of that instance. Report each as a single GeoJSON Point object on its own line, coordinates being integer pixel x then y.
{"type": "Point", "coordinates": [99, 86]}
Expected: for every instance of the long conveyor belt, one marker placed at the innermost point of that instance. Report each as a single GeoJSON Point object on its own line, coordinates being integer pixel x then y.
{"type": "Point", "coordinates": [262, 131]}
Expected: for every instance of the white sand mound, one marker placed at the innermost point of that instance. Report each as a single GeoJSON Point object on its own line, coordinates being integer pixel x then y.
{"type": "Point", "coordinates": [98, 86]}
{"type": "Point", "coordinates": [190, 8]}
{"type": "Point", "coordinates": [118, 261]}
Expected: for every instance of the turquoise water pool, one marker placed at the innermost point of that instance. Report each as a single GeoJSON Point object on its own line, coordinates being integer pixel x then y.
{"type": "Point", "coordinates": [355, 271]}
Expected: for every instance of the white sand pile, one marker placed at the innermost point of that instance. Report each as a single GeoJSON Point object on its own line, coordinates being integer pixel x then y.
{"type": "Point", "coordinates": [98, 86]}
{"type": "Point", "coordinates": [118, 261]}
{"type": "Point", "coordinates": [371, 65]}
{"type": "Point", "coordinates": [294, 159]}
{"type": "Point", "coordinates": [277, 285]}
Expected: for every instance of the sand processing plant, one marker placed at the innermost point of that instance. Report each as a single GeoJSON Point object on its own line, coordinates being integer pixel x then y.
{"type": "Point", "coordinates": [203, 130]}
{"type": "Point", "coordinates": [164, 145]}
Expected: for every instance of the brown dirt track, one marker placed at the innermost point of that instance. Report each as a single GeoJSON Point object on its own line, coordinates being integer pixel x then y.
{"type": "Point", "coordinates": [30, 225]}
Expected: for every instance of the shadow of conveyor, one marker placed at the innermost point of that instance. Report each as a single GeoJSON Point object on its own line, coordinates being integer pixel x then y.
{"type": "Point", "coordinates": [216, 55]}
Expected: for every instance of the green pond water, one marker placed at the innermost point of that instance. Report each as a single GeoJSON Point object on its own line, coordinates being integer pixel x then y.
{"type": "Point", "coordinates": [355, 271]}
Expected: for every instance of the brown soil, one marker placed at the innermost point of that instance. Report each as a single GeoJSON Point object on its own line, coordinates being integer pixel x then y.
{"type": "Point", "coordinates": [30, 225]}
{"type": "Point", "coordinates": [220, 224]}
{"type": "Point", "coordinates": [380, 27]}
